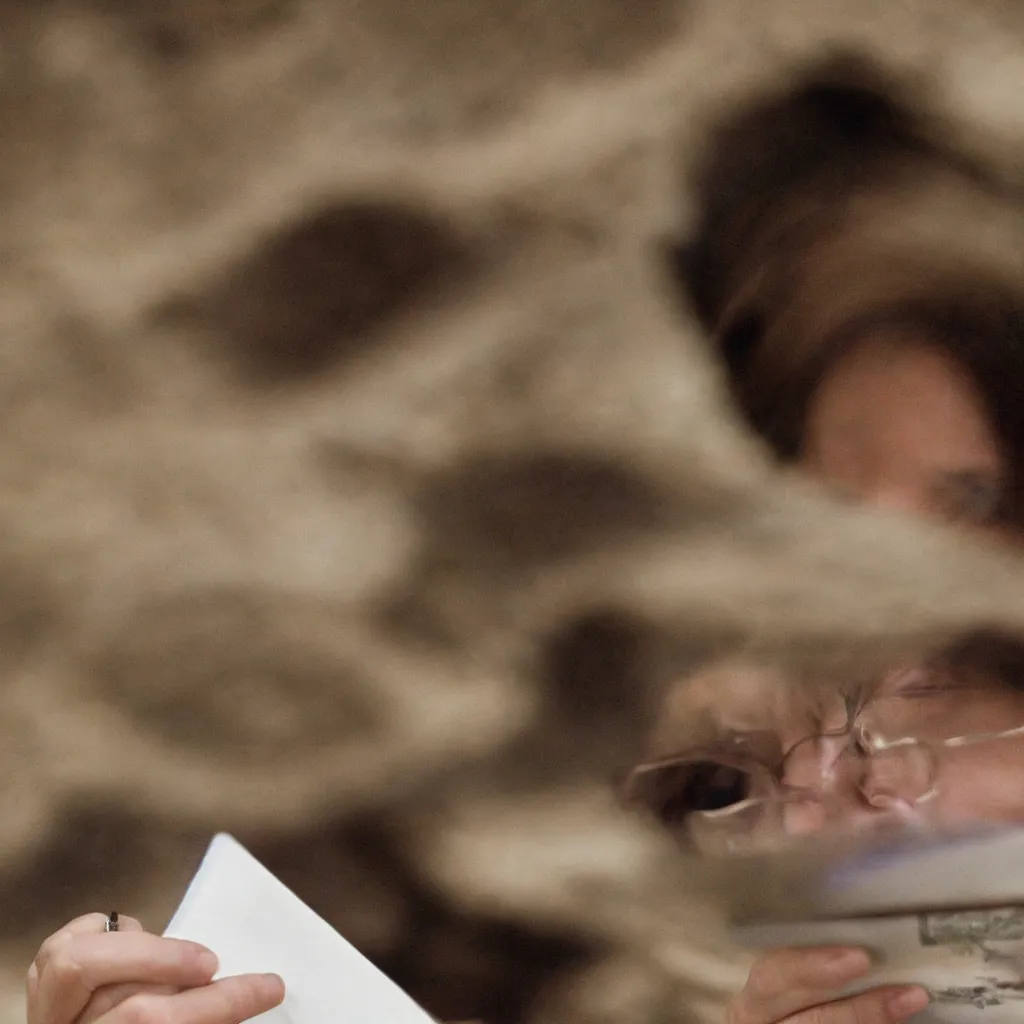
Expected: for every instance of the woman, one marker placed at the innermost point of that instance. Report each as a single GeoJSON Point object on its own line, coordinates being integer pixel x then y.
{"type": "Point", "coordinates": [877, 347]}
{"type": "Point", "coordinates": [939, 743]}
{"type": "Point", "coordinates": [865, 288]}
{"type": "Point", "coordinates": [866, 354]}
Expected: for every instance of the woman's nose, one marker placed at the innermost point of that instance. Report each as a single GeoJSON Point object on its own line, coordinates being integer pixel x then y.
{"type": "Point", "coordinates": [809, 780]}
{"type": "Point", "coordinates": [841, 813]}
{"type": "Point", "coordinates": [811, 764]}
{"type": "Point", "coordinates": [832, 787]}
{"type": "Point", "coordinates": [901, 498]}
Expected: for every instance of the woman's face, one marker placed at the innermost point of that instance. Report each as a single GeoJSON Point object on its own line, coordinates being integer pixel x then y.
{"type": "Point", "coordinates": [975, 778]}
{"type": "Point", "coordinates": [898, 424]}
{"type": "Point", "coordinates": [913, 774]}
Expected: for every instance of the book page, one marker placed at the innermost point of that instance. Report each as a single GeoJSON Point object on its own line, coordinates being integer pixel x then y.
{"type": "Point", "coordinates": [971, 961]}
{"type": "Point", "coordinates": [254, 923]}
{"type": "Point", "coordinates": [912, 872]}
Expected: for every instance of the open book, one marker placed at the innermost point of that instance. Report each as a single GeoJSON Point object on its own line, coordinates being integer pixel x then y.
{"type": "Point", "coordinates": [254, 923]}
{"type": "Point", "coordinates": [942, 911]}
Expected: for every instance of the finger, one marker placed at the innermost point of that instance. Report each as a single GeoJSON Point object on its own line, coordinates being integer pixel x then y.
{"type": "Point", "coordinates": [228, 1001]}
{"type": "Point", "coordinates": [91, 924]}
{"type": "Point", "coordinates": [783, 982]}
{"type": "Point", "coordinates": [105, 999]}
{"type": "Point", "coordinates": [128, 924]}
{"type": "Point", "coordinates": [76, 969]}
{"type": "Point", "coordinates": [87, 924]}
{"type": "Point", "coordinates": [888, 1005]}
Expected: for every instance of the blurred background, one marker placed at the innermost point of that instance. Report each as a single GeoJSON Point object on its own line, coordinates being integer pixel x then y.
{"type": "Point", "coordinates": [365, 480]}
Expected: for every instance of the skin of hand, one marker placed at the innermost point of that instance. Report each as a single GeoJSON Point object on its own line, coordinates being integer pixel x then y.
{"type": "Point", "coordinates": [83, 975]}
{"type": "Point", "coordinates": [798, 986]}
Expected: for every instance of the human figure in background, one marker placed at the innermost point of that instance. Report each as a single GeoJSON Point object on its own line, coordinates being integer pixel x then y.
{"type": "Point", "coordinates": [861, 285]}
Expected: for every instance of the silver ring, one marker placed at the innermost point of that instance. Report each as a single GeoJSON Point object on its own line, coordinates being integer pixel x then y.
{"type": "Point", "coordinates": [112, 922]}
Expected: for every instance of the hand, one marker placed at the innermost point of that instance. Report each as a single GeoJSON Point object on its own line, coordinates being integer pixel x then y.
{"type": "Point", "coordinates": [797, 986]}
{"type": "Point", "coordinates": [83, 975]}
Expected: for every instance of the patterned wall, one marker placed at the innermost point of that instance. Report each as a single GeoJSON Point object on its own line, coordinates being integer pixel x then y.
{"type": "Point", "coordinates": [362, 479]}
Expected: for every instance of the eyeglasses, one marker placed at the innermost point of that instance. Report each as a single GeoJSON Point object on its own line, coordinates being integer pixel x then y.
{"type": "Point", "coordinates": [746, 789]}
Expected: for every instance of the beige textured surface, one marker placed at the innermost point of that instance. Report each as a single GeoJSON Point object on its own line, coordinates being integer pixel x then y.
{"type": "Point", "coordinates": [361, 479]}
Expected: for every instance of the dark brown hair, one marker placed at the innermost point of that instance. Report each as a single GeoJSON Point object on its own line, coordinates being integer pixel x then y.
{"type": "Point", "coordinates": [984, 656]}
{"type": "Point", "coordinates": [830, 207]}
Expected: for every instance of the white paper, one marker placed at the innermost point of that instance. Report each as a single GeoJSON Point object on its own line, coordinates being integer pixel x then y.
{"type": "Point", "coordinates": [255, 924]}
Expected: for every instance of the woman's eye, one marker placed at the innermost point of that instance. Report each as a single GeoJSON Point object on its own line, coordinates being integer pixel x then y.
{"type": "Point", "coordinates": [969, 497]}
{"type": "Point", "coordinates": [917, 682]}
{"type": "Point", "coordinates": [705, 786]}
